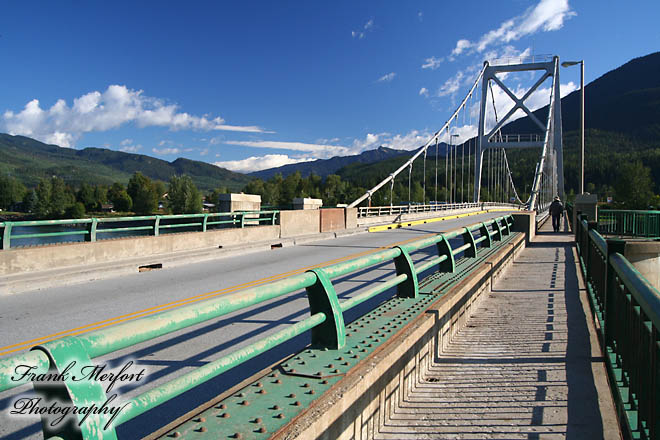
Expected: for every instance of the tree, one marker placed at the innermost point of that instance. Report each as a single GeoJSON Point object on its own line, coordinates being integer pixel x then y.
{"type": "Point", "coordinates": [85, 196]}
{"type": "Point", "coordinates": [183, 196]}
{"type": "Point", "coordinates": [100, 196]}
{"type": "Point", "coordinates": [143, 193]}
{"type": "Point", "coordinates": [53, 198]}
{"type": "Point", "coordinates": [77, 210]}
{"type": "Point", "coordinates": [11, 192]}
{"type": "Point", "coordinates": [119, 197]}
{"type": "Point", "coordinates": [634, 187]}
{"type": "Point", "coordinates": [214, 197]}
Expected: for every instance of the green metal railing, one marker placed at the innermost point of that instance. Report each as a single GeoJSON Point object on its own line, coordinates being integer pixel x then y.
{"type": "Point", "coordinates": [326, 323]}
{"type": "Point", "coordinates": [110, 227]}
{"type": "Point", "coordinates": [627, 308]}
{"type": "Point", "coordinates": [625, 223]}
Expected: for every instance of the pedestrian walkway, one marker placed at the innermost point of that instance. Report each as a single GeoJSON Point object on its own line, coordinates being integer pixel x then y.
{"type": "Point", "coordinates": [526, 366]}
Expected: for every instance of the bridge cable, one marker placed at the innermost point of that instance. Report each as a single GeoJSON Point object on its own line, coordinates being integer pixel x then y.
{"type": "Point", "coordinates": [436, 172]}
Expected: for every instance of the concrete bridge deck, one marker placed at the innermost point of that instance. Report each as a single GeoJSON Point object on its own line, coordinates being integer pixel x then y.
{"type": "Point", "coordinates": [526, 366]}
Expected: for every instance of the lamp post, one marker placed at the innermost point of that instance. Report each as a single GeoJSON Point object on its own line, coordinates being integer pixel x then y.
{"type": "Point", "coordinates": [581, 63]}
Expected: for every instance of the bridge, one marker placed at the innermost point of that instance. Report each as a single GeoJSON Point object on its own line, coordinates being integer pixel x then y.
{"type": "Point", "coordinates": [453, 319]}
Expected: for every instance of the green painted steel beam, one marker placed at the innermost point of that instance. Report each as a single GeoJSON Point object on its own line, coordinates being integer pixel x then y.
{"type": "Point", "coordinates": [161, 394]}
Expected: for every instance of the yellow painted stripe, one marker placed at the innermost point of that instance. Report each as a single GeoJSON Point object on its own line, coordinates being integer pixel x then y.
{"type": "Point", "coordinates": [431, 220]}
{"type": "Point", "coordinates": [185, 301]}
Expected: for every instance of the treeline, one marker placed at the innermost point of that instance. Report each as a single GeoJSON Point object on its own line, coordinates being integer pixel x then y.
{"type": "Point", "coordinates": [54, 199]}
{"type": "Point", "coordinates": [280, 191]}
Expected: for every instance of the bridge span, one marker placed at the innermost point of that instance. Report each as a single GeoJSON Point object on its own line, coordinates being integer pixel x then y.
{"type": "Point", "coordinates": [37, 317]}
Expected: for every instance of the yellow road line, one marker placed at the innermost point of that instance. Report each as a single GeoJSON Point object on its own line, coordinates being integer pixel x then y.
{"type": "Point", "coordinates": [420, 222]}
{"type": "Point", "coordinates": [178, 303]}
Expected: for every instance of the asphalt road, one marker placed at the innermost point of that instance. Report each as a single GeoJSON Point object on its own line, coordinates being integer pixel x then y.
{"type": "Point", "coordinates": [41, 315]}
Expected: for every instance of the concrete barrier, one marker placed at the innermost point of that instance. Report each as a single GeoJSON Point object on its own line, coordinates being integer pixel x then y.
{"type": "Point", "coordinates": [351, 218]}
{"type": "Point", "coordinates": [360, 404]}
{"type": "Point", "coordinates": [332, 219]}
{"type": "Point", "coordinates": [25, 260]}
{"type": "Point", "coordinates": [300, 222]}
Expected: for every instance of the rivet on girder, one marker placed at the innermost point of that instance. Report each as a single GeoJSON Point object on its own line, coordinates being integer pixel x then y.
{"type": "Point", "coordinates": [275, 407]}
{"type": "Point", "coordinates": [311, 392]}
{"type": "Point", "coordinates": [291, 396]}
{"type": "Point", "coordinates": [261, 391]}
{"type": "Point", "coordinates": [238, 435]}
{"type": "Point", "coordinates": [240, 395]}
{"type": "Point", "coordinates": [280, 416]}
{"type": "Point", "coordinates": [257, 420]}
{"type": "Point", "coordinates": [296, 403]}
{"type": "Point", "coordinates": [176, 434]}
{"type": "Point", "coordinates": [202, 429]}
{"type": "Point", "coordinates": [258, 384]}
{"type": "Point", "coordinates": [221, 406]}
{"type": "Point", "coordinates": [324, 382]}
{"type": "Point", "coordinates": [245, 403]}
{"type": "Point", "coordinates": [225, 415]}
{"type": "Point", "coordinates": [305, 385]}
{"type": "Point", "coordinates": [201, 420]}
{"type": "Point", "coordinates": [261, 430]}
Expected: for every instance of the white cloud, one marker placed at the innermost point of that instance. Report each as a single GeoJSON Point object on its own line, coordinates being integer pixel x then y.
{"type": "Point", "coordinates": [96, 111]}
{"type": "Point", "coordinates": [546, 16]}
{"type": "Point", "coordinates": [166, 150]}
{"type": "Point", "coordinates": [321, 151]}
{"type": "Point", "coordinates": [204, 152]}
{"type": "Point", "coordinates": [256, 163]}
{"type": "Point", "coordinates": [452, 85]}
{"type": "Point", "coordinates": [387, 78]}
{"type": "Point", "coordinates": [432, 63]}
{"type": "Point", "coordinates": [130, 148]}
{"type": "Point", "coordinates": [361, 33]}
{"type": "Point", "coordinates": [420, 16]}
{"type": "Point", "coordinates": [126, 142]}
{"type": "Point", "coordinates": [424, 92]}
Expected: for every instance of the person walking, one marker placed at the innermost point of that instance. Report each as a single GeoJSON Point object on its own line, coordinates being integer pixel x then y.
{"type": "Point", "coordinates": [556, 211]}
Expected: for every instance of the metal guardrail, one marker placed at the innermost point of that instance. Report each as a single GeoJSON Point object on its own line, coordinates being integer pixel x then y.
{"type": "Point", "coordinates": [326, 323]}
{"type": "Point", "coordinates": [627, 308]}
{"type": "Point", "coordinates": [628, 223]}
{"type": "Point", "coordinates": [375, 211]}
{"type": "Point", "coordinates": [155, 225]}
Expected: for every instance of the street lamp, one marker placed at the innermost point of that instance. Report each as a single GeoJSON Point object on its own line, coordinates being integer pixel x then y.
{"type": "Point", "coordinates": [581, 63]}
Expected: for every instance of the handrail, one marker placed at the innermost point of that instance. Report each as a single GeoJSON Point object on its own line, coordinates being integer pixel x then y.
{"type": "Point", "coordinates": [376, 211]}
{"type": "Point", "coordinates": [629, 223]}
{"type": "Point", "coordinates": [326, 317]}
{"type": "Point", "coordinates": [627, 309]}
{"type": "Point", "coordinates": [156, 224]}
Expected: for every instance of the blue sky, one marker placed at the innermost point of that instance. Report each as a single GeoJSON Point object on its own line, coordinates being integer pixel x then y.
{"type": "Point", "coordinates": [252, 85]}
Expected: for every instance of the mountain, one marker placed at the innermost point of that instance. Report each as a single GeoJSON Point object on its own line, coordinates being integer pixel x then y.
{"type": "Point", "coordinates": [622, 120]}
{"type": "Point", "coordinates": [30, 160]}
{"type": "Point", "coordinates": [323, 167]}
{"type": "Point", "coordinates": [625, 100]}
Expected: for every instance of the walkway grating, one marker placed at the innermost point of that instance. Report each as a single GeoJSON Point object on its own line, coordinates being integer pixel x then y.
{"type": "Point", "coordinates": [525, 366]}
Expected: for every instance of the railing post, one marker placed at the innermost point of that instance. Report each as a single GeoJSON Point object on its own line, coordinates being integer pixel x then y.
{"type": "Point", "coordinates": [498, 231]}
{"type": "Point", "coordinates": [273, 220]}
{"type": "Point", "coordinates": [322, 298]}
{"type": "Point", "coordinates": [404, 265]}
{"type": "Point", "coordinates": [609, 314]}
{"type": "Point", "coordinates": [469, 238]}
{"type": "Point", "coordinates": [91, 230]}
{"type": "Point", "coordinates": [6, 236]}
{"type": "Point", "coordinates": [506, 230]}
{"type": "Point", "coordinates": [156, 230]}
{"type": "Point", "coordinates": [70, 361]}
{"type": "Point", "coordinates": [484, 232]}
{"type": "Point", "coordinates": [444, 248]}
{"type": "Point", "coordinates": [242, 215]}
{"type": "Point", "coordinates": [586, 253]}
